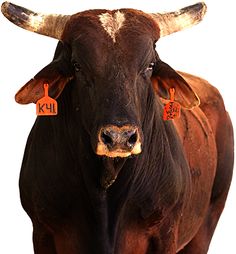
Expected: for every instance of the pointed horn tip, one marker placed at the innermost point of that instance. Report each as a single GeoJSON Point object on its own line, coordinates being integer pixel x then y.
{"type": "Point", "coordinates": [200, 7]}
{"type": "Point", "coordinates": [4, 7]}
{"type": "Point", "coordinates": [204, 8]}
{"type": "Point", "coordinates": [7, 8]}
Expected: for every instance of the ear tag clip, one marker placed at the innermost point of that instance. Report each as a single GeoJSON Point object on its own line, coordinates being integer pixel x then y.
{"type": "Point", "coordinates": [46, 106]}
{"type": "Point", "coordinates": [172, 108]}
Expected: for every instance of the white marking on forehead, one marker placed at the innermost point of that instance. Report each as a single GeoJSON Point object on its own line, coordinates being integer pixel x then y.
{"type": "Point", "coordinates": [112, 23]}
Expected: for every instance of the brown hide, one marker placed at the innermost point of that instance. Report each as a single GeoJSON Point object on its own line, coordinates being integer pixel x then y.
{"type": "Point", "coordinates": [199, 133]}
{"type": "Point", "coordinates": [186, 223]}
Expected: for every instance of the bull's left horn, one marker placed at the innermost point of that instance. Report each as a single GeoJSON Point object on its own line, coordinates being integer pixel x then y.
{"type": "Point", "coordinates": [172, 22]}
{"type": "Point", "coordinates": [51, 25]}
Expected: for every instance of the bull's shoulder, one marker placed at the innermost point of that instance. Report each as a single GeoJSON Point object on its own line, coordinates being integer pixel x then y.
{"type": "Point", "coordinates": [211, 106]}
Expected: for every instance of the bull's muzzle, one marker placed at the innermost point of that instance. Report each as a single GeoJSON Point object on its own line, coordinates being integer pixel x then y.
{"type": "Point", "coordinates": [114, 141]}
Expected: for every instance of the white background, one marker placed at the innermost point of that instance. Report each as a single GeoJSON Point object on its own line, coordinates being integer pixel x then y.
{"type": "Point", "coordinates": [207, 50]}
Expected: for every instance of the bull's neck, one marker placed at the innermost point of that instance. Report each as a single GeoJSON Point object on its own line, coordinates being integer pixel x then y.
{"type": "Point", "coordinates": [141, 180]}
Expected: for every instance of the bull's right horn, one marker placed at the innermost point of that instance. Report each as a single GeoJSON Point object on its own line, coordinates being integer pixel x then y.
{"type": "Point", "coordinates": [51, 25]}
{"type": "Point", "coordinates": [172, 22]}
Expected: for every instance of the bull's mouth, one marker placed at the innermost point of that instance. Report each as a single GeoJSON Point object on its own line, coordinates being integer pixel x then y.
{"type": "Point", "coordinates": [112, 167]}
{"type": "Point", "coordinates": [117, 153]}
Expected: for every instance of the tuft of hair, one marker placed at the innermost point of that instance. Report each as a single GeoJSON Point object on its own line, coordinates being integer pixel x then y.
{"type": "Point", "coordinates": [112, 23]}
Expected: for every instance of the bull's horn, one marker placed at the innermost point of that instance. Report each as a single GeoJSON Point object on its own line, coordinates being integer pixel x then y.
{"type": "Point", "coordinates": [51, 25]}
{"type": "Point", "coordinates": [176, 21]}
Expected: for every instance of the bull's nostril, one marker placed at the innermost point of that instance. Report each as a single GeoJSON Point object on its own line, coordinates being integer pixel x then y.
{"type": "Point", "coordinates": [119, 139]}
{"type": "Point", "coordinates": [133, 139]}
{"type": "Point", "coordinates": [106, 139]}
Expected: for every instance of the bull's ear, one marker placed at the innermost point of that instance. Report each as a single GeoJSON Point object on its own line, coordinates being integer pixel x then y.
{"type": "Point", "coordinates": [57, 74]}
{"type": "Point", "coordinates": [164, 78]}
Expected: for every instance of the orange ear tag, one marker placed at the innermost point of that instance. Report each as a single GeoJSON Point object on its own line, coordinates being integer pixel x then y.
{"type": "Point", "coordinates": [46, 106]}
{"type": "Point", "coordinates": [172, 108]}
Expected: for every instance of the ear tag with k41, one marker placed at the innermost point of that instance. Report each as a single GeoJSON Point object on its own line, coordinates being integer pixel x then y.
{"type": "Point", "coordinates": [46, 106]}
{"type": "Point", "coordinates": [172, 108]}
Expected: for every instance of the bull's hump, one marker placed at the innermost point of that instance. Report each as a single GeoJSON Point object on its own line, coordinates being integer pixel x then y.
{"type": "Point", "coordinates": [112, 23]}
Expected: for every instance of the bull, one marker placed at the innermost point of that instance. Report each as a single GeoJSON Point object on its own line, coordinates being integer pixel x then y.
{"type": "Point", "coordinates": [108, 175]}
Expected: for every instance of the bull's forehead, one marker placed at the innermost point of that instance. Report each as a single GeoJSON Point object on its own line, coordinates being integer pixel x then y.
{"type": "Point", "coordinates": [113, 23]}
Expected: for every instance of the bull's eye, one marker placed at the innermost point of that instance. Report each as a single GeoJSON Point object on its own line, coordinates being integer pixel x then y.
{"type": "Point", "coordinates": [77, 66]}
{"type": "Point", "coordinates": [148, 70]}
{"type": "Point", "coordinates": [150, 67]}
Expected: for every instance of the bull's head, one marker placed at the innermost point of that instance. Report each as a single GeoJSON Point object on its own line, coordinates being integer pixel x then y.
{"type": "Point", "coordinates": [111, 57]}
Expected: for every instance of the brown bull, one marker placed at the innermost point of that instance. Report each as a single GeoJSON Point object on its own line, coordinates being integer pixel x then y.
{"type": "Point", "coordinates": [108, 175]}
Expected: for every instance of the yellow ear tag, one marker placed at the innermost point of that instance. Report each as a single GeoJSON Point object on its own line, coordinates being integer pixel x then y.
{"type": "Point", "coordinates": [46, 106]}
{"type": "Point", "coordinates": [172, 109]}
